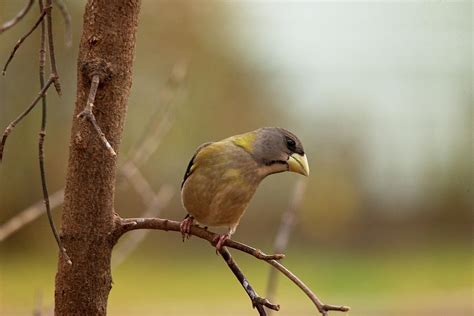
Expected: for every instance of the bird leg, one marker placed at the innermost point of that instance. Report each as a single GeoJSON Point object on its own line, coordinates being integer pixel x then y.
{"type": "Point", "coordinates": [185, 226]}
{"type": "Point", "coordinates": [220, 240]}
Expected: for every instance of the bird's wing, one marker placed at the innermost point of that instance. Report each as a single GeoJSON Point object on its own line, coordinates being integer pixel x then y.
{"type": "Point", "coordinates": [190, 168]}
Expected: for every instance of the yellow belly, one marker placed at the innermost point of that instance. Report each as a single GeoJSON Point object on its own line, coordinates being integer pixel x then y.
{"type": "Point", "coordinates": [217, 200]}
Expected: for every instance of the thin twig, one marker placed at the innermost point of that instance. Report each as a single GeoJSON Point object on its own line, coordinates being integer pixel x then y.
{"type": "Point", "coordinates": [52, 57]}
{"type": "Point", "coordinates": [126, 170]}
{"type": "Point", "coordinates": [283, 235]}
{"type": "Point", "coordinates": [257, 301]}
{"type": "Point", "coordinates": [138, 181]}
{"type": "Point", "coordinates": [124, 225]}
{"type": "Point", "coordinates": [67, 21]}
{"type": "Point", "coordinates": [88, 114]}
{"type": "Point", "coordinates": [322, 308]}
{"type": "Point", "coordinates": [158, 127]}
{"type": "Point", "coordinates": [128, 224]}
{"type": "Point", "coordinates": [154, 207]}
{"type": "Point", "coordinates": [22, 39]}
{"type": "Point", "coordinates": [153, 134]}
{"type": "Point", "coordinates": [42, 135]}
{"type": "Point", "coordinates": [9, 24]}
{"type": "Point", "coordinates": [22, 115]}
{"type": "Point", "coordinates": [29, 214]}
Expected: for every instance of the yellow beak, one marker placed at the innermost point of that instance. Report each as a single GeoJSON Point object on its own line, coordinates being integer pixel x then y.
{"type": "Point", "coordinates": [299, 164]}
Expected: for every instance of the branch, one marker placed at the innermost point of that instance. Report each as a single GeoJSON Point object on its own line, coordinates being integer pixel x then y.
{"type": "Point", "coordinates": [284, 231]}
{"type": "Point", "coordinates": [67, 21]}
{"type": "Point", "coordinates": [88, 114]}
{"type": "Point", "coordinates": [153, 134]}
{"type": "Point", "coordinates": [138, 181]}
{"type": "Point", "coordinates": [322, 308]}
{"type": "Point", "coordinates": [124, 225]}
{"type": "Point", "coordinates": [257, 301]}
{"type": "Point", "coordinates": [42, 135]}
{"type": "Point", "coordinates": [154, 206]}
{"type": "Point", "coordinates": [22, 39]}
{"type": "Point", "coordinates": [128, 224]}
{"type": "Point", "coordinates": [30, 214]}
{"type": "Point", "coordinates": [52, 58]}
{"type": "Point", "coordinates": [150, 143]}
{"type": "Point", "coordinates": [11, 23]}
{"type": "Point", "coordinates": [22, 115]}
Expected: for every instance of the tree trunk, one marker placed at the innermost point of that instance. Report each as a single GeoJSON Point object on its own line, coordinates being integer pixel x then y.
{"type": "Point", "coordinates": [107, 50]}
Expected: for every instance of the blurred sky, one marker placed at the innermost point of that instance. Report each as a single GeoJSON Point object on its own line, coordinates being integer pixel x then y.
{"type": "Point", "coordinates": [402, 69]}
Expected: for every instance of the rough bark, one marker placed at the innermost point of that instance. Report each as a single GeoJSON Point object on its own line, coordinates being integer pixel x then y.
{"type": "Point", "coordinates": [106, 49]}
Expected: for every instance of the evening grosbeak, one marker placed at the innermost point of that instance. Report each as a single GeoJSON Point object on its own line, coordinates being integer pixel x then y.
{"type": "Point", "coordinates": [222, 176]}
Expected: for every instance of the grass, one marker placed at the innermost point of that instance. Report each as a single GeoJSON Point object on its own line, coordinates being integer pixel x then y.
{"type": "Point", "coordinates": [425, 281]}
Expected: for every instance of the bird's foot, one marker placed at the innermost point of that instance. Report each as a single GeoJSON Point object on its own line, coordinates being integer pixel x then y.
{"type": "Point", "coordinates": [220, 240]}
{"type": "Point", "coordinates": [185, 226]}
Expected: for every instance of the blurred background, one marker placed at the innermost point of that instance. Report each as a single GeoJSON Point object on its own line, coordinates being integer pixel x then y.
{"type": "Point", "coordinates": [380, 93]}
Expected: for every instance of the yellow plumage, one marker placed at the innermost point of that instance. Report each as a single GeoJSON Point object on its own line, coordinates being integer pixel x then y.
{"type": "Point", "coordinates": [222, 177]}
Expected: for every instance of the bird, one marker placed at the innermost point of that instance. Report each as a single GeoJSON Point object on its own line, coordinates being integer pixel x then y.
{"type": "Point", "coordinates": [222, 177]}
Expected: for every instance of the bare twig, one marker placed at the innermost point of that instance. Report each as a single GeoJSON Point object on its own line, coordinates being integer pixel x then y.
{"type": "Point", "coordinates": [42, 135]}
{"type": "Point", "coordinates": [9, 24]}
{"type": "Point", "coordinates": [22, 115]}
{"type": "Point", "coordinates": [257, 301]}
{"type": "Point", "coordinates": [158, 127]}
{"type": "Point", "coordinates": [128, 224]}
{"type": "Point", "coordinates": [124, 225]}
{"type": "Point", "coordinates": [130, 177]}
{"type": "Point", "coordinates": [154, 207]}
{"type": "Point", "coordinates": [30, 214]}
{"type": "Point", "coordinates": [127, 170]}
{"type": "Point", "coordinates": [22, 39]}
{"type": "Point", "coordinates": [284, 231]}
{"type": "Point", "coordinates": [138, 181]}
{"type": "Point", "coordinates": [88, 114]}
{"type": "Point", "coordinates": [67, 21]}
{"type": "Point", "coordinates": [153, 134]}
{"type": "Point", "coordinates": [52, 58]}
{"type": "Point", "coordinates": [322, 308]}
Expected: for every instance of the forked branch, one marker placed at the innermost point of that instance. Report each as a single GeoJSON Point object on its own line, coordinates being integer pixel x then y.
{"type": "Point", "coordinates": [130, 174]}
{"type": "Point", "coordinates": [88, 114]}
{"type": "Point", "coordinates": [123, 225]}
{"type": "Point", "coordinates": [42, 135]}
{"type": "Point", "coordinates": [53, 79]}
{"type": "Point", "coordinates": [24, 37]}
{"type": "Point", "coordinates": [257, 302]}
{"type": "Point", "coordinates": [12, 124]}
{"type": "Point", "coordinates": [52, 57]}
{"type": "Point", "coordinates": [322, 308]}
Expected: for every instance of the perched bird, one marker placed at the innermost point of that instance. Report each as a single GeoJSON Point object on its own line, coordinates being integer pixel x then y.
{"type": "Point", "coordinates": [222, 176]}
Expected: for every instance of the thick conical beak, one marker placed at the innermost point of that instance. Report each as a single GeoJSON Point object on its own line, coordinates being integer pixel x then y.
{"type": "Point", "coordinates": [299, 164]}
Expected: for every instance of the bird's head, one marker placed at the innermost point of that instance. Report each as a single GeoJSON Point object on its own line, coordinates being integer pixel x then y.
{"type": "Point", "coordinates": [276, 150]}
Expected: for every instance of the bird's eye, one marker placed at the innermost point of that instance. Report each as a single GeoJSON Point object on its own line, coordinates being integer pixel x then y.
{"type": "Point", "coordinates": [290, 143]}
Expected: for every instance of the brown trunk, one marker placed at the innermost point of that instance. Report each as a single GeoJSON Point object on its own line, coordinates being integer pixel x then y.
{"type": "Point", "coordinates": [106, 49]}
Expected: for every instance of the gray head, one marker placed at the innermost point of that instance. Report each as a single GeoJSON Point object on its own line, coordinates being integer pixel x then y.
{"type": "Point", "coordinates": [279, 150]}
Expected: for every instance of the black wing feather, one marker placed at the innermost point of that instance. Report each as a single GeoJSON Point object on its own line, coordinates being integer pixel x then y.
{"type": "Point", "coordinates": [191, 162]}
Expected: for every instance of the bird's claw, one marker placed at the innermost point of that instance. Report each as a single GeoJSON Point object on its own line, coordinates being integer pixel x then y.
{"type": "Point", "coordinates": [220, 240]}
{"type": "Point", "coordinates": [185, 227]}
